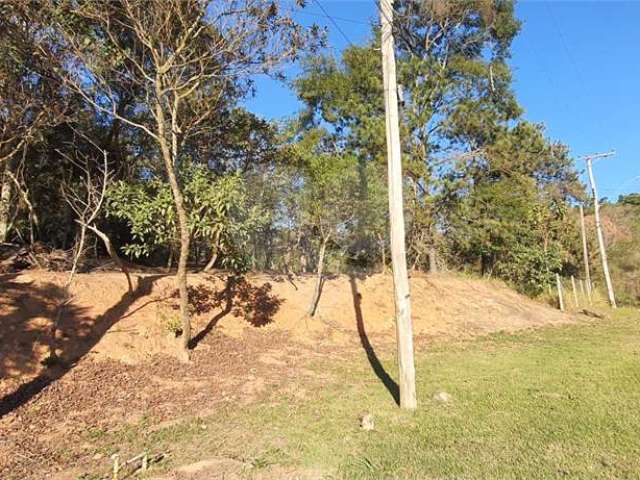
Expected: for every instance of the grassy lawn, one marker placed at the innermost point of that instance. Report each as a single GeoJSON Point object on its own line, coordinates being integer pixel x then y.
{"type": "Point", "coordinates": [560, 402]}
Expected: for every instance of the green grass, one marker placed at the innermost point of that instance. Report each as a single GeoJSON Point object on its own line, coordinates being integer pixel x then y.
{"type": "Point", "coordinates": [560, 402]}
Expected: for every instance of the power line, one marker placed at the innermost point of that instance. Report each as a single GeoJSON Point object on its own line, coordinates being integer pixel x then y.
{"type": "Point", "coordinates": [582, 92]}
{"type": "Point", "coordinates": [335, 24]}
{"type": "Point", "coordinates": [564, 43]}
{"type": "Point", "coordinates": [339, 19]}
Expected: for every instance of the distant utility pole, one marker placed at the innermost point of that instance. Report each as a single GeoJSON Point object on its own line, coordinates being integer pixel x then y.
{"type": "Point", "coordinates": [404, 328]}
{"type": "Point", "coordinates": [585, 251]}
{"type": "Point", "coordinates": [603, 251]}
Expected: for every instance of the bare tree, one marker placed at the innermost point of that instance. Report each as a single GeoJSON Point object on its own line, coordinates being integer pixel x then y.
{"type": "Point", "coordinates": [184, 60]}
{"type": "Point", "coordinates": [84, 190]}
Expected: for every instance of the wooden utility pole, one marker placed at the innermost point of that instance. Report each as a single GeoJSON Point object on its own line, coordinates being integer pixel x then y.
{"type": "Point", "coordinates": [404, 328]}
{"type": "Point", "coordinates": [585, 251]}
{"type": "Point", "coordinates": [601, 246]}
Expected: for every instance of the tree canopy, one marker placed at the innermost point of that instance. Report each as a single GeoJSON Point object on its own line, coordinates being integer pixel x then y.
{"type": "Point", "coordinates": [200, 182]}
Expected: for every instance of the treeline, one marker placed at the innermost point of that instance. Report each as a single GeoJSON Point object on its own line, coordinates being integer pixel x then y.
{"type": "Point", "coordinates": [124, 119]}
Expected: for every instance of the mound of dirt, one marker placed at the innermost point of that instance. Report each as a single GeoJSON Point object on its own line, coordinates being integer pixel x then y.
{"type": "Point", "coordinates": [115, 359]}
{"type": "Point", "coordinates": [108, 322]}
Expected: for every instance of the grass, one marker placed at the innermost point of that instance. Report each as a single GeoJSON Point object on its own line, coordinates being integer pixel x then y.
{"type": "Point", "coordinates": [559, 402]}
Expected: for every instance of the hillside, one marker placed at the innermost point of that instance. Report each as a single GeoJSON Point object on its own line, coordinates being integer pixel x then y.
{"type": "Point", "coordinates": [114, 365]}
{"type": "Point", "coordinates": [622, 233]}
{"type": "Point", "coordinates": [105, 321]}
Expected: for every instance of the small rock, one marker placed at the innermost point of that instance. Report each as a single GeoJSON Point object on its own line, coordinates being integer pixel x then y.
{"type": "Point", "coordinates": [443, 397]}
{"type": "Point", "coordinates": [366, 422]}
{"type": "Point", "coordinates": [98, 456]}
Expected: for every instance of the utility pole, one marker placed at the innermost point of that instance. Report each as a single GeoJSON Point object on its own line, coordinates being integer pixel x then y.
{"type": "Point", "coordinates": [404, 328]}
{"type": "Point", "coordinates": [585, 251]}
{"type": "Point", "coordinates": [603, 251]}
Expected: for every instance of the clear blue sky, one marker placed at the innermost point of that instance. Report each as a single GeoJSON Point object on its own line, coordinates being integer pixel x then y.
{"type": "Point", "coordinates": [576, 66]}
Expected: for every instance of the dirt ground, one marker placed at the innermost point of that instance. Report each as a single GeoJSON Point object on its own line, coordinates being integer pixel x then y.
{"type": "Point", "coordinates": [115, 352]}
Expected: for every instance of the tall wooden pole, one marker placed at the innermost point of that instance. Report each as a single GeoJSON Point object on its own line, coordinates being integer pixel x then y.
{"type": "Point", "coordinates": [601, 245]}
{"type": "Point", "coordinates": [585, 251]}
{"type": "Point", "coordinates": [404, 328]}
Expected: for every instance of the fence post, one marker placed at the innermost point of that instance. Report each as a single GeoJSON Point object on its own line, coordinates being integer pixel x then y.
{"type": "Point", "coordinates": [575, 291]}
{"type": "Point", "coordinates": [116, 465]}
{"type": "Point", "coordinates": [560, 298]}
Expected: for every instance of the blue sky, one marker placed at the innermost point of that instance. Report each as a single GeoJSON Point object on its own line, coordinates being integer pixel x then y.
{"type": "Point", "coordinates": [576, 70]}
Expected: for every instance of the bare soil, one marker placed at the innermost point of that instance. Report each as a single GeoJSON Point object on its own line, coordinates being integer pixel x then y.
{"type": "Point", "coordinates": [116, 354]}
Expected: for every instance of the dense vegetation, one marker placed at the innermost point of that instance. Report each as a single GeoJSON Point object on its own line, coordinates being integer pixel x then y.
{"type": "Point", "coordinates": [622, 225]}
{"type": "Point", "coordinates": [128, 122]}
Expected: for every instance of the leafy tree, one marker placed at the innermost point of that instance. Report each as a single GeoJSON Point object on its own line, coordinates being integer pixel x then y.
{"type": "Point", "coordinates": [183, 60]}
{"type": "Point", "coordinates": [327, 197]}
{"type": "Point", "coordinates": [218, 209]}
{"type": "Point", "coordinates": [631, 199]}
{"type": "Point", "coordinates": [508, 208]}
{"type": "Point", "coordinates": [31, 102]}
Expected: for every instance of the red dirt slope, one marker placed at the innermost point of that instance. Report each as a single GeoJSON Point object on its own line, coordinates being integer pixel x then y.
{"type": "Point", "coordinates": [115, 348]}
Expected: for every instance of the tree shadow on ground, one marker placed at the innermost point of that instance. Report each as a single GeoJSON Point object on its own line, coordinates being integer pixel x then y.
{"type": "Point", "coordinates": [374, 361]}
{"type": "Point", "coordinates": [26, 333]}
{"type": "Point", "coordinates": [256, 304]}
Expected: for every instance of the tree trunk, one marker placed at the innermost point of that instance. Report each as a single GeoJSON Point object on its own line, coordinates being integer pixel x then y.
{"type": "Point", "coordinates": [383, 254]}
{"type": "Point", "coordinates": [112, 253]}
{"type": "Point", "coordinates": [170, 259]}
{"type": "Point", "coordinates": [316, 293]}
{"type": "Point", "coordinates": [170, 158]}
{"type": "Point", "coordinates": [214, 253]}
{"type": "Point", "coordinates": [5, 202]}
{"type": "Point", "coordinates": [433, 263]}
{"type": "Point", "coordinates": [66, 297]}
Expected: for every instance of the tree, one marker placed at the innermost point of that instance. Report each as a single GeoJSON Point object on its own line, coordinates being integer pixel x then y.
{"type": "Point", "coordinates": [183, 61]}
{"type": "Point", "coordinates": [507, 207]}
{"type": "Point", "coordinates": [30, 102]}
{"type": "Point", "coordinates": [84, 191]}
{"type": "Point", "coordinates": [327, 197]}
{"type": "Point", "coordinates": [630, 199]}
{"type": "Point", "coordinates": [219, 214]}
{"type": "Point", "coordinates": [452, 67]}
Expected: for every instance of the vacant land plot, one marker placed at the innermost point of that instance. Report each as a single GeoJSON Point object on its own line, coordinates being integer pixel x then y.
{"type": "Point", "coordinates": [557, 402]}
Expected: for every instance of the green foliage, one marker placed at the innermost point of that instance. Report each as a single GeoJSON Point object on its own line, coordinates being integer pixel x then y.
{"type": "Point", "coordinates": [621, 223]}
{"type": "Point", "coordinates": [508, 207]}
{"type": "Point", "coordinates": [170, 321]}
{"type": "Point", "coordinates": [457, 95]}
{"type": "Point", "coordinates": [631, 199]}
{"type": "Point", "coordinates": [485, 191]}
{"type": "Point", "coordinates": [218, 212]}
{"type": "Point", "coordinates": [327, 196]}
{"type": "Point", "coordinates": [147, 207]}
{"type": "Point", "coordinates": [529, 267]}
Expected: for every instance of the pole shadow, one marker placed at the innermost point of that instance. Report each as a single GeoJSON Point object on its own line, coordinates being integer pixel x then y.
{"type": "Point", "coordinates": [377, 367]}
